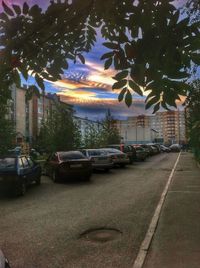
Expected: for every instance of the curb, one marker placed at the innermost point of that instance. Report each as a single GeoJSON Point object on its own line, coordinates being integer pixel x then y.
{"type": "Point", "coordinates": [143, 251]}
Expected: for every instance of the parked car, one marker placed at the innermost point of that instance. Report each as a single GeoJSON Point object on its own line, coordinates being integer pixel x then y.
{"type": "Point", "coordinates": [140, 153]}
{"type": "Point", "coordinates": [3, 261]}
{"type": "Point", "coordinates": [155, 148]}
{"type": "Point", "coordinates": [17, 172]}
{"type": "Point", "coordinates": [127, 149]}
{"type": "Point", "coordinates": [165, 149]}
{"type": "Point", "coordinates": [118, 158]}
{"type": "Point", "coordinates": [99, 158]}
{"type": "Point", "coordinates": [146, 148]}
{"type": "Point", "coordinates": [67, 165]}
{"type": "Point", "coordinates": [175, 148]}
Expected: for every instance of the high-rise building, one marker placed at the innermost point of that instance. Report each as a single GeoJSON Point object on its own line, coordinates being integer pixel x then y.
{"type": "Point", "coordinates": [165, 126]}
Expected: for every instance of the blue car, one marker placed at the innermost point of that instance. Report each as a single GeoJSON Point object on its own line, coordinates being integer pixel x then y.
{"type": "Point", "coordinates": [17, 172]}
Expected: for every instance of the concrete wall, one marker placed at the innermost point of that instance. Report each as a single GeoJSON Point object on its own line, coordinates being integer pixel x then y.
{"type": "Point", "coordinates": [131, 135]}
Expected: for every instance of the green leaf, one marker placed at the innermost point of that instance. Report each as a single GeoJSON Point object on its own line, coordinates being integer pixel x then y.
{"type": "Point", "coordinates": [183, 23]}
{"type": "Point", "coordinates": [25, 8]}
{"type": "Point", "coordinates": [107, 55]}
{"type": "Point", "coordinates": [3, 17]}
{"type": "Point", "coordinates": [39, 81]}
{"type": "Point", "coordinates": [179, 75]}
{"type": "Point", "coordinates": [71, 57]}
{"type": "Point", "coordinates": [119, 84]}
{"type": "Point", "coordinates": [121, 94]}
{"type": "Point", "coordinates": [65, 65]}
{"type": "Point", "coordinates": [48, 77]}
{"type": "Point", "coordinates": [121, 75]}
{"type": "Point", "coordinates": [7, 9]}
{"type": "Point", "coordinates": [24, 72]}
{"type": "Point", "coordinates": [164, 105]}
{"type": "Point", "coordinates": [130, 51]}
{"type": "Point", "coordinates": [135, 87]}
{"type": "Point", "coordinates": [111, 45]}
{"type": "Point", "coordinates": [32, 90]}
{"type": "Point", "coordinates": [82, 59]}
{"type": "Point", "coordinates": [35, 11]}
{"type": "Point", "coordinates": [196, 58]}
{"type": "Point", "coordinates": [128, 98]}
{"type": "Point", "coordinates": [150, 102]}
{"type": "Point", "coordinates": [156, 108]}
{"type": "Point", "coordinates": [107, 63]}
{"type": "Point", "coordinates": [17, 9]}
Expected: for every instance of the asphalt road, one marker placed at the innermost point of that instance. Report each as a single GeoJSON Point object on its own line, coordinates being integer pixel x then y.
{"type": "Point", "coordinates": [43, 229]}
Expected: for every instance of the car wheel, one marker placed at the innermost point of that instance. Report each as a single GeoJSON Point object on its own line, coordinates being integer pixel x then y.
{"type": "Point", "coordinates": [88, 177]}
{"type": "Point", "coordinates": [54, 176]}
{"type": "Point", "coordinates": [20, 189]}
{"type": "Point", "coordinates": [122, 165]}
{"type": "Point", "coordinates": [44, 171]}
{"type": "Point", "coordinates": [131, 161]}
{"type": "Point", "coordinates": [38, 181]}
{"type": "Point", "coordinates": [106, 169]}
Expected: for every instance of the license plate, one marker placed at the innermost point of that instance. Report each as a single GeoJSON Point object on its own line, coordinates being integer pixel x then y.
{"type": "Point", "coordinates": [75, 165]}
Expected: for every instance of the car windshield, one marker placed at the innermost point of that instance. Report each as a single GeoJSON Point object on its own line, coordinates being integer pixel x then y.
{"type": "Point", "coordinates": [111, 150]}
{"type": "Point", "coordinates": [138, 149]}
{"type": "Point", "coordinates": [115, 147]}
{"type": "Point", "coordinates": [127, 149]}
{"type": "Point", "coordinates": [96, 153]}
{"type": "Point", "coordinates": [7, 163]}
{"type": "Point", "coordinates": [71, 156]}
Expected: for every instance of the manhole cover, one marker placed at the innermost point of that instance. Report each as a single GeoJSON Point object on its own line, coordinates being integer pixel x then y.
{"type": "Point", "coordinates": [101, 235]}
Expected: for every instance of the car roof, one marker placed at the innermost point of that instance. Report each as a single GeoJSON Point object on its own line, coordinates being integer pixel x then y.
{"type": "Point", "coordinates": [113, 149]}
{"type": "Point", "coordinates": [99, 149]}
{"type": "Point", "coordinates": [68, 152]}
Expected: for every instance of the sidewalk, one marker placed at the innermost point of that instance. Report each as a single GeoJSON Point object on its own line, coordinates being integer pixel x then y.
{"type": "Point", "coordinates": [176, 243]}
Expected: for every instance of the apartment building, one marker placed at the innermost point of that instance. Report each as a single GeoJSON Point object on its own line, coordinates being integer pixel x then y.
{"type": "Point", "coordinates": [168, 127]}
{"type": "Point", "coordinates": [21, 113]}
{"type": "Point", "coordinates": [28, 115]}
{"type": "Point", "coordinates": [174, 130]}
{"type": "Point", "coordinates": [84, 123]}
{"type": "Point", "coordinates": [136, 129]}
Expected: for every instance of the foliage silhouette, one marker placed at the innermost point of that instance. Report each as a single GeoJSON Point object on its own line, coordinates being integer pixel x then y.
{"type": "Point", "coordinates": [152, 46]}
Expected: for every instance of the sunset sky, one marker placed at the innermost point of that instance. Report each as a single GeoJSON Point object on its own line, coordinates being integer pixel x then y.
{"type": "Point", "coordinates": [89, 87]}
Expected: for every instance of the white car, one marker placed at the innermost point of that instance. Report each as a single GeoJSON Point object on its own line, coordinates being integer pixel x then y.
{"type": "Point", "coordinates": [165, 149]}
{"type": "Point", "coordinates": [175, 147]}
{"type": "Point", "coordinates": [118, 158]}
{"type": "Point", "coordinates": [99, 158]}
{"type": "Point", "coordinates": [3, 261]}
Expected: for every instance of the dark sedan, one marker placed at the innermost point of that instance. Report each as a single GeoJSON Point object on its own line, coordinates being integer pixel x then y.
{"type": "Point", "coordinates": [17, 172]}
{"type": "Point", "coordinates": [141, 154]}
{"type": "Point", "coordinates": [67, 165]}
